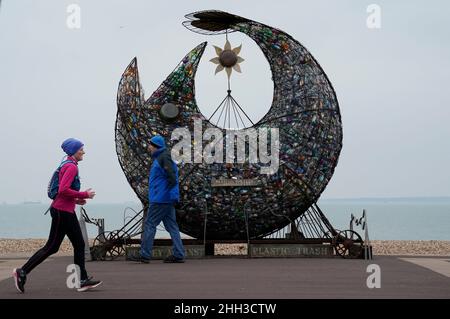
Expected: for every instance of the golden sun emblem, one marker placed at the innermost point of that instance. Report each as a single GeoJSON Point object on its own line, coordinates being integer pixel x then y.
{"type": "Point", "coordinates": [227, 59]}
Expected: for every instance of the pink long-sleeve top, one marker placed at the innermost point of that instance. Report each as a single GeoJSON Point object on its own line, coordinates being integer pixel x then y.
{"type": "Point", "coordinates": [67, 198]}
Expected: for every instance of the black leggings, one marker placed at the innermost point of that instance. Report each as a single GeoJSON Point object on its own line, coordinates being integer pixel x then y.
{"type": "Point", "coordinates": [63, 223]}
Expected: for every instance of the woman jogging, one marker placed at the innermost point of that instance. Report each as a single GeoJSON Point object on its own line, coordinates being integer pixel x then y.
{"type": "Point", "coordinates": [64, 219]}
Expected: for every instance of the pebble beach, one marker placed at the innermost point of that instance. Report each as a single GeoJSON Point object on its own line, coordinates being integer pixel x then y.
{"type": "Point", "coordinates": [380, 247]}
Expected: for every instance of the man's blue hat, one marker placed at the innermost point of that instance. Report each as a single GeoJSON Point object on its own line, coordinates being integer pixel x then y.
{"type": "Point", "coordinates": [158, 141]}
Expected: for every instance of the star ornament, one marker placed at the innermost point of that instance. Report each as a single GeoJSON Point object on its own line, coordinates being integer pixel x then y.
{"type": "Point", "coordinates": [227, 59]}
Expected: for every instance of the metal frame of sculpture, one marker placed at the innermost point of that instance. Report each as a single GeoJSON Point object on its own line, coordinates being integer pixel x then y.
{"type": "Point", "coordinates": [304, 108]}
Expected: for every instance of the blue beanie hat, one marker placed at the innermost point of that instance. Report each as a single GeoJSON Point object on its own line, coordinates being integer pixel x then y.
{"type": "Point", "coordinates": [71, 146]}
{"type": "Point", "coordinates": [158, 141]}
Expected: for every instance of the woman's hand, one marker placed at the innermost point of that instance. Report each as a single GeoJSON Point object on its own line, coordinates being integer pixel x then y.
{"type": "Point", "coordinates": [90, 192]}
{"type": "Point", "coordinates": [80, 201]}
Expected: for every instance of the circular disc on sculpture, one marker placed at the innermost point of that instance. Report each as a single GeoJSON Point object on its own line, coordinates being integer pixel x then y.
{"type": "Point", "coordinates": [169, 112]}
{"type": "Point", "coordinates": [235, 200]}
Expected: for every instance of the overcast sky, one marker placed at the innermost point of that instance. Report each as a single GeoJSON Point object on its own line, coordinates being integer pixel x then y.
{"type": "Point", "coordinates": [392, 84]}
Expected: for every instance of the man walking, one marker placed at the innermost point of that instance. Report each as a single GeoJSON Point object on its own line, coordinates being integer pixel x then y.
{"type": "Point", "coordinates": [163, 193]}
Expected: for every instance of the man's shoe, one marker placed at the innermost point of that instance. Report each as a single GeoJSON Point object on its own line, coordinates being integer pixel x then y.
{"type": "Point", "coordinates": [173, 259]}
{"type": "Point", "coordinates": [89, 284]}
{"type": "Point", "coordinates": [139, 259]}
{"type": "Point", "coordinates": [20, 277]}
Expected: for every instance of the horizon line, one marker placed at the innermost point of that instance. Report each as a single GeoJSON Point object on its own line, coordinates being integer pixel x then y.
{"type": "Point", "coordinates": [39, 202]}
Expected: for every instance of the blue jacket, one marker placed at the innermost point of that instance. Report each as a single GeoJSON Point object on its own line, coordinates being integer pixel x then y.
{"type": "Point", "coordinates": [163, 179]}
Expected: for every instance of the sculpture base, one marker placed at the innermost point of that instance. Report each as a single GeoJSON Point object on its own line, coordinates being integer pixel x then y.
{"type": "Point", "coordinates": [161, 252]}
{"type": "Point", "coordinates": [256, 249]}
{"type": "Point", "coordinates": [291, 250]}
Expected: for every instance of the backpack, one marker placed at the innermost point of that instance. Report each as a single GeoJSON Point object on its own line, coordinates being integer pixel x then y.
{"type": "Point", "coordinates": [53, 185]}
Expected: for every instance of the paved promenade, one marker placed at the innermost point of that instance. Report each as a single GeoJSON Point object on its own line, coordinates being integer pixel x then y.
{"type": "Point", "coordinates": [401, 277]}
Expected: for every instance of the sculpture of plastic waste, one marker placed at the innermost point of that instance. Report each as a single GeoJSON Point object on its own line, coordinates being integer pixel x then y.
{"type": "Point", "coordinates": [304, 108]}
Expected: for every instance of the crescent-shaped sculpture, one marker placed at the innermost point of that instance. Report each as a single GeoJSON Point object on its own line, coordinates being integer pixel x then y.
{"type": "Point", "coordinates": [304, 109]}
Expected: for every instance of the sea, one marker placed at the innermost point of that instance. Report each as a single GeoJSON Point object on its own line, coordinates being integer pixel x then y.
{"type": "Point", "coordinates": [387, 218]}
